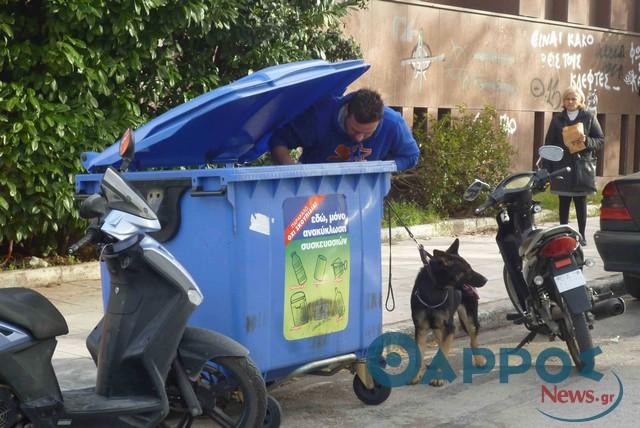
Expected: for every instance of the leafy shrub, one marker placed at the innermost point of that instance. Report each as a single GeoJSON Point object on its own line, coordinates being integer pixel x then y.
{"type": "Point", "coordinates": [75, 73]}
{"type": "Point", "coordinates": [454, 150]}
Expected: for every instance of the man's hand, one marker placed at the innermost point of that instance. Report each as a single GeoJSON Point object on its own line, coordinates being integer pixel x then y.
{"type": "Point", "coordinates": [280, 155]}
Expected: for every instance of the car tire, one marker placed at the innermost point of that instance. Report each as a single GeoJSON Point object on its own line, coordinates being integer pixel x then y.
{"type": "Point", "coordinates": [632, 284]}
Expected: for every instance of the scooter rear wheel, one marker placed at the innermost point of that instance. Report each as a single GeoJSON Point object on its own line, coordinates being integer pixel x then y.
{"type": "Point", "coordinates": [231, 392]}
{"type": "Point", "coordinates": [577, 336]}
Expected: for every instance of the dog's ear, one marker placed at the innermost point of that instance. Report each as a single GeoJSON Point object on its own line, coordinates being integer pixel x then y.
{"type": "Point", "coordinates": [453, 249]}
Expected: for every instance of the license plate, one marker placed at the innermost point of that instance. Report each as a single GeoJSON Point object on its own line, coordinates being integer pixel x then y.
{"type": "Point", "coordinates": [570, 280]}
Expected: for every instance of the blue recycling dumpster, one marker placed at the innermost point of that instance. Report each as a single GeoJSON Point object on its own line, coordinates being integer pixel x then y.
{"type": "Point", "coordinates": [288, 257]}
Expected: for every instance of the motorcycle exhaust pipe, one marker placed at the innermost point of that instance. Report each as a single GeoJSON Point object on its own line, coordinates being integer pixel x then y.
{"type": "Point", "coordinates": [608, 308]}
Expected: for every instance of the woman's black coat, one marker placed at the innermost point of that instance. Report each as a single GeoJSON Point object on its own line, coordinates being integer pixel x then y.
{"type": "Point", "coordinates": [594, 141]}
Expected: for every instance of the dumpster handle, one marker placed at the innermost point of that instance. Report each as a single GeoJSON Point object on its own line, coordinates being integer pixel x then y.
{"type": "Point", "coordinates": [198, 192]}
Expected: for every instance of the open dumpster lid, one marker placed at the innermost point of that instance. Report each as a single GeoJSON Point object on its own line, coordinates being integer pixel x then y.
{"type": "Point", "coordinates": [232, 123]}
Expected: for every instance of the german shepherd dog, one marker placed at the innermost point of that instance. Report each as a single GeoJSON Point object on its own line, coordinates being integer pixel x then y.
{"type": "Point", "coordinates": [443, 287]}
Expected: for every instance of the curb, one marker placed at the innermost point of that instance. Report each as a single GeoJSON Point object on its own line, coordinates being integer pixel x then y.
{"type": "Point", "coordinates": [442, 228]}
{"type": "Point", "coordinates": [492, 315]}
{"type": "Point", "coordinates": [43, 277]}
{"type": "Point", "coordinates": [456, 227]}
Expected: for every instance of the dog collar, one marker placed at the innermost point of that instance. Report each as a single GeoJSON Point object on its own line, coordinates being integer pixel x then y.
{"type": "Point", "coordinates": [446, 296]}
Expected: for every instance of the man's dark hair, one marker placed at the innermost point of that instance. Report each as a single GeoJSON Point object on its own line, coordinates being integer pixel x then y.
{"type": "Point", "coordinates": [366, 106]}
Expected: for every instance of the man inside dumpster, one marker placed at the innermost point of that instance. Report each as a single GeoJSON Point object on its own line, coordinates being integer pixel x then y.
{"type": "Point", "coordinates": [355, 127]}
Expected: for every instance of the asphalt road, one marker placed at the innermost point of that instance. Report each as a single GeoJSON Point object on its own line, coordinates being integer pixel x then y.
{"type": "Point", "coordinates": [328, 402]}
{"type": "Point", "coordinates": [312, 401]}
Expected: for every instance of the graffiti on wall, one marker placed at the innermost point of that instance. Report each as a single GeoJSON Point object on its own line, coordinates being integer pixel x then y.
{"type": "Point", "coordinates": [632, 78]}
{"type": "Point", "coordinates": [508, 124]}
{"type": "Point", "coordinates": [600, 63]}
{"type": "Point", "coordinates": [402, 30]}
{"type": "Point", "coordinates": [461, 71]}
{"type": "Point", "coordinates": [548, 89]}
{"type": "Point", "coordinates": [615, 65]}
{"type": "Point", "coordinates": [421, 59]}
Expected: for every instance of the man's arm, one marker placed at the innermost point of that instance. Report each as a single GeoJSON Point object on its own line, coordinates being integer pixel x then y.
{"type": "Point", "coordinates": [280, 155]}
{"type": "Point", "coordinates": [405, 149]}
{"type": "Point", "coordinates": [297, 133]}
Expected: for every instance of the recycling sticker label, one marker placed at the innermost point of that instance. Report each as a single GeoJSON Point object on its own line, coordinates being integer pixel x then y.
{"type": "Point", "coordinates": [316, 296]}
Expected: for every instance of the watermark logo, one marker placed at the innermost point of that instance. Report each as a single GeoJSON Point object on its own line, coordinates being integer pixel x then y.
{"type": "Point", "coordinates": [562, 404]}
{"type": "Point", "coordinates": [394, 359]}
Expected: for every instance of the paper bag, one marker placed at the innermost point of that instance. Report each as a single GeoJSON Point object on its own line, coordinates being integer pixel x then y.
{"type": "Point", "coordinates": [571, 135]}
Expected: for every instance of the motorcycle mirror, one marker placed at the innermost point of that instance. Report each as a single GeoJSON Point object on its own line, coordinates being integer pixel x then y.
{"type": "Point", "coordinates": [126, 148]}
{"type": "Point", "coordinates": [552, 153]}
{"type": "Point", "coordinates": [474, 189]}
{"type": "Point", "coordinates": [92, 207]}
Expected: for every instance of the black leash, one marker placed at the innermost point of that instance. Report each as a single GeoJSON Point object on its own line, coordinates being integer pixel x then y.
{"type": "Point", "coordinates": [424, 254]}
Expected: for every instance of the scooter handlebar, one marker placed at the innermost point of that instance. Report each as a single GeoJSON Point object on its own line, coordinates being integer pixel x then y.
{"type": "Point", "coordinates": [487, 204]}
{"type": "Point", "coordinates": [90, 237]}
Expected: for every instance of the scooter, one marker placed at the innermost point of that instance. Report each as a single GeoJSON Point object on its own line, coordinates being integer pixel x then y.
{"type": "Point", "coordinates": [543, 267]}
{"type": "Point", "coordinates": [148, 361]}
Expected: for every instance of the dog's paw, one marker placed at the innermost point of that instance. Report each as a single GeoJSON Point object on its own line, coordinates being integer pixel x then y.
{"type": "Point", "coordinates": [416, 380]}
{"type": "Point", "coordinates": [479, 361]}
{"type": "Point", "coordinates": [437, 382]}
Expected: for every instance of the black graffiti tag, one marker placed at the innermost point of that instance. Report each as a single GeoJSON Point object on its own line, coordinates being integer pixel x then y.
{"type": "Point", "coordinates": [611, 51]}
{"type": "Point", "coordinates": [613, 70]}
{"type": "Point", "coordinates": [550, 92]}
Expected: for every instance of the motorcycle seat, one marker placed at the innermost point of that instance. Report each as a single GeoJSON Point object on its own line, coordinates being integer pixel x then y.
{"type": "Point", "coordinates": [32, 311]}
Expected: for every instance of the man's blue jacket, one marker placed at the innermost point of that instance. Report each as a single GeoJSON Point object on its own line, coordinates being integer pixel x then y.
{"type": "Point", "coordinates": [318, 131]}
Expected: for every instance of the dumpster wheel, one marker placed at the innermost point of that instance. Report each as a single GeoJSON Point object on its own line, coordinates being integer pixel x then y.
{"type": "Point", "coordinates": [274, 413]}
{"type": "Point", "coordinates": [374, 396]}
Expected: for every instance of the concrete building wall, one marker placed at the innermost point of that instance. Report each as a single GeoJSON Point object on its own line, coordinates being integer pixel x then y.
{"type": "Point", "coordinates": [579, 12]}
{"type": "Point", "coordinates": [533, 8]}
{"type": "Point", "coordinates": [431, 56]}
{"type": "Point", "coordinates": [623, 15]}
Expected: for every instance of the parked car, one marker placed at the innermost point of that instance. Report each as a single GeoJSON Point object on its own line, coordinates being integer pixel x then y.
{"type": "Point", "coordinates": [618, 240]}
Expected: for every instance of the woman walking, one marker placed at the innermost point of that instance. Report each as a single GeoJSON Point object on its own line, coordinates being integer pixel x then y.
{"type": "Point", "coordinates": [578, 132]}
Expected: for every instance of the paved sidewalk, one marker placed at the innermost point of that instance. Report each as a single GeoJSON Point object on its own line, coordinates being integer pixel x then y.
{"type": "Point", "coordinates": [481, 251]}
{"type": "Point", "coordinates": [80, 301]}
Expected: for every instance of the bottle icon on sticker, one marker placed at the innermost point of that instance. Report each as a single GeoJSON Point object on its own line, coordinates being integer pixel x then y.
{"type": "Point", "coordinates": [338, 301]}
{"type": "Point", "coordinates": [298, 268]}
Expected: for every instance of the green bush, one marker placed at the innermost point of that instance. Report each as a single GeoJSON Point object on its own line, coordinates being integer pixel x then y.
{"type": "Point", "coordinates": [75, 73]}
{"type": "Point", "coordinates": [454, 151]}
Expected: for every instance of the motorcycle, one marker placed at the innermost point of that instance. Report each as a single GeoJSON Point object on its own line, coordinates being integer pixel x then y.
{"type": "Point", "coordinates": [543, 267]}
{"type": "Point", "coordinates": [148, 361]}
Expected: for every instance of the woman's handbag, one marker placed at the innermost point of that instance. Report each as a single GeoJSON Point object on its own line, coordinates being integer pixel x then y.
{"type": "Point", "coordinates": [584, 172]}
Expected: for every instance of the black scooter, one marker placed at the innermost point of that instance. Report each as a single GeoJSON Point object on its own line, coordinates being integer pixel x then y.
{"type": "Point", "coordinates": [543, 267]}
{"type": "Point", "coordinates": [148, 361]}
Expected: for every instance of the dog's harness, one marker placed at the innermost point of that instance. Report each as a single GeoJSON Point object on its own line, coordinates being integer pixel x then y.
{"type": "Point", "coordinates": [446, 296]}
{"type": "Point", "coordinates": [432, 278]}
